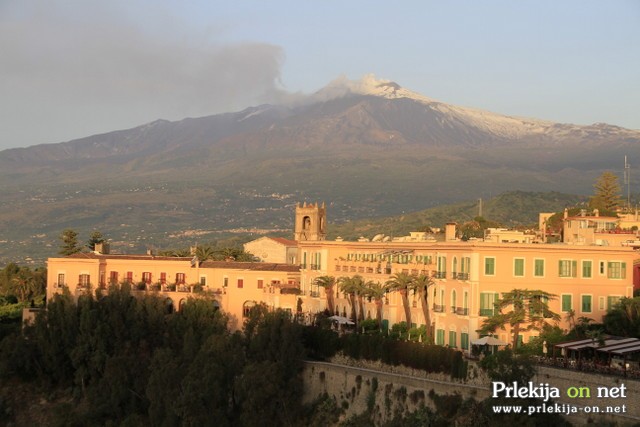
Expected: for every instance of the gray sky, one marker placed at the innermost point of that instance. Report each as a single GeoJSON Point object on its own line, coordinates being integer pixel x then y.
{"type": "Point", "coordinates": [79, 67]}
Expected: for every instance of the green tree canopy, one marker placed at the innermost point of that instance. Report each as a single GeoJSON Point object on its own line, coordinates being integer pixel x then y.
{"type": "Point", "coordinates": [69, 242]}
{"type": "Point", "coordinates": [95, 238]}
{"type": "Point", "coordinates": [529, 310]}
{"type": "Point", "coordinates": [606, 193]}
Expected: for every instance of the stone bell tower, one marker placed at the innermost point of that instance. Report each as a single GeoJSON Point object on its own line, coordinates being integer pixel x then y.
{"type": "Point", "coordinates": [310, 222]}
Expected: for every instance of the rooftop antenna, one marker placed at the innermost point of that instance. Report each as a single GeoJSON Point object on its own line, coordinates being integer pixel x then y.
{"type": "Point", "coordinates": [627, 181]}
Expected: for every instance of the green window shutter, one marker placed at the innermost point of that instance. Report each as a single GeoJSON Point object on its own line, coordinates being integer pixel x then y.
{"type": "Point", "coordinates": [623, 270]}
{"type": "Point", "coordinates": [452, 339]}
{"type": "Point", "coordinates": [464, 341]}
{"type": "Point", "coordinates": [566, 302]}
{"type": "Point", "coordinates": [489, 266]}
{"type": "Point", "coordinates": [586, 269]}
{"type": "Point", "coordinates": [440, 337]}
{"type": "Point", "coordinates": [586, 303]}
{"type": "Point", "coordinates": [574, 268]}
{"type": "Point", "coordinates": [539, 267]}
{"type": "Point", "coordinates": [518, 267]}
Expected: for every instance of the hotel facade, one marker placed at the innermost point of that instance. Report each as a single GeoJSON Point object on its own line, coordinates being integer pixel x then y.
{"type": "Point", "coordinates": [468, 276]}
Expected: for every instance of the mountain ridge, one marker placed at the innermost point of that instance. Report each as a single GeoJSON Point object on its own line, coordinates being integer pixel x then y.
{"type": "Point", "coordinates": [369, 155]}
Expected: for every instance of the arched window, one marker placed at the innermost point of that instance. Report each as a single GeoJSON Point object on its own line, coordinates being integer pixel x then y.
{"type": "Point", "coordinates": [181, 304]}
{"type": "Point", "coordinates": [453, 300]}
{"type": "Point", "coordinates": [168, 305]}
{"type": "Point", "coordinates": [246, 308]}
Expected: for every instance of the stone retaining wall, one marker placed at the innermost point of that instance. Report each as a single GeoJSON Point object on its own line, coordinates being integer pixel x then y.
{"type": "Point", "coordinates": [389, 390]}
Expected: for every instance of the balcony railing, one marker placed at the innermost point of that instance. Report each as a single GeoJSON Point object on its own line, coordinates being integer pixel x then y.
{"type": "Point", "coordinates": [440, 275]}
{"type": "Point", "coordinates": [461, 311]}
{"type": "Point", "coordinates": [486, 312]}
{"type": "Point", "coordinates": [462, 276]}
{"type": "Point", "coordinates": [438, 308]}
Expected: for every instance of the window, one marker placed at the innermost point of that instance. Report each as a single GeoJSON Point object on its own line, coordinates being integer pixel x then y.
{"type": "Point", "coordinates": [240, 283]}
{"type": "Point", "coordinates": [518, 267]}
{"type": "Point", "coordinates": [180, 279]}
{"type": "Point", "coordinates": [163, 278]}
{"type": "Point", "coordinates": [566, 302]}
{"type": "Point", "coordinates": [203, 280]}
{"type": "Point", "coordinates": [538, 268]}
{"type": "Point", "coordinates": [146, 277]}
{"type": "Point", "coordinates": [601, 268]}
{"type": "Point", "coordinates": [586, 303]}
{"type": "Point", "coordinates": [586, 269]}
{"type": "Point", "coordinates": [225, 282]}
{"type": "Point", "coordinates": [567, 268]}
{"type": "Point", "coordinates": [83, 280]}
{"type": "Point", "coordinates": [487, 300]}
{"type": "Point", "coordinates": [617, 270]}
{"type": "Point", "coordinates": [440, 337]}
{"type": "Point", "coordinates": [246, 308]}
{"type": "Point", "coordinates": [452, 339]}
{"type": "Point", "coordinates": [601, 303]}
{"type": "Point", "coordinates": [61, 280]}
{"type": "Point", "coordinates": [129, 277]}
{"type": "Point", "coordinates": [454, 297]}
{"type": "Point", "coordinates": [113, 277]}
{"type": "Point", "coordinates": [612, 300]}
{"type": "Point", "coordinates": [489, 266]}
{"type": "Point", "coordinates": [464, 341]}
{"type": "Point", "coordinates": [442, 267]}
{"type": "Point", "coordinates": [260, 283]}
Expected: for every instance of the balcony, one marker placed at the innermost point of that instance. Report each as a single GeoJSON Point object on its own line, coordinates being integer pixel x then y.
{"type": "Point", "coordinates": [440, 275]}
{"type": "Point", "coordinates": [486, 312]}
{"type": "Point", "coordinates": [462, 276]}
{"type": "Point", "coordinates": [438, 308]}
{"type": "Point", "coordinates": [461, 311]}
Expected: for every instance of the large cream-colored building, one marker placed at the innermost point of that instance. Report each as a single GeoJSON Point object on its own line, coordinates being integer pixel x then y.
{"type": "Point", "coordinates": [468, 276]}
{"type": "Point", "coordinates": [233, 286]}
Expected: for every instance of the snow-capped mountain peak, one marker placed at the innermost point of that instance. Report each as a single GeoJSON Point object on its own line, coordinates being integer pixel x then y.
{"type": "Point", "coordinates": [367, 85]}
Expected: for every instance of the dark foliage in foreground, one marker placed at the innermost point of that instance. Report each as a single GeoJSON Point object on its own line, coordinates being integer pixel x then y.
{"type": "Point", "coordinates": [128, 361]}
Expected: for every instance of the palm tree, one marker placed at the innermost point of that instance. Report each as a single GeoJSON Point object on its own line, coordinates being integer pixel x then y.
{"type": "Point", "coordinates": [204, 253]}
{"type": "Point", "coordinates": [376, 291]}
{"type": "Point", "coordinates": [327, 282]}
{"type": "Point", "coordinates": [351, 286]}
{"type": "Point", "coordinates": [420, 285]}
{"type": "Point", "coordinates": [570, 318]}
{"type": "Point", "coordinates": [401, 282]}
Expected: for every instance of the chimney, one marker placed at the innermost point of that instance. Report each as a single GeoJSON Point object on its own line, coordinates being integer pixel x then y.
{"type": "Point", "coordinates": [450, 231]}
{"type": "Point", "coordinates": [101, 248]}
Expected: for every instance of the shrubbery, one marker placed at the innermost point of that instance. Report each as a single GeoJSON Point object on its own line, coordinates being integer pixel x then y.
{"type": "Point", "coordinates": [323, 344]}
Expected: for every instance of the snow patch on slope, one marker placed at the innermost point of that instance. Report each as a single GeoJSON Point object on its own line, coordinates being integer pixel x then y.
{"type": "Point", "coordinates": [504, 126]}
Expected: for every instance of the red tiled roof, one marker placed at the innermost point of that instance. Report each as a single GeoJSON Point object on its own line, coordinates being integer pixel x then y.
{"type": "Point", "coordinates": [284, 241]}
{"type": "Point", "coordinates": [93, 255]}
{"type": "Point", "coordinates": [256, 266]}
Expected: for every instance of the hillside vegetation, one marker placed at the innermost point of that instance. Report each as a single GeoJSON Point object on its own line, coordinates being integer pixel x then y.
{"type": "Point", "coordinates": [512, 209]}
